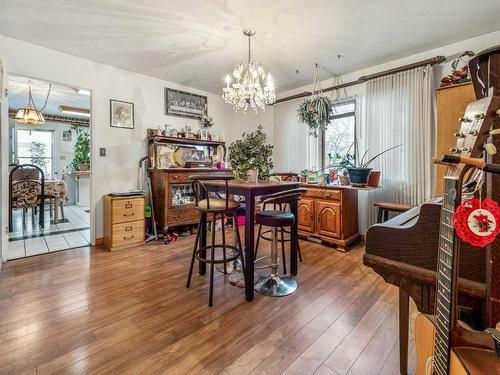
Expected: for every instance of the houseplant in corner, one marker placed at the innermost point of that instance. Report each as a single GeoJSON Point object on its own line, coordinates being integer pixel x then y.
{"type": "Point", "coordinates": [251, 157]}
{"type": "Point", "coordinates": [81, 159]}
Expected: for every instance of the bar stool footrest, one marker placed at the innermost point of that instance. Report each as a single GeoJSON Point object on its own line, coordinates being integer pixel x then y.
{"type": "Point", "coordinates": [236, 254]}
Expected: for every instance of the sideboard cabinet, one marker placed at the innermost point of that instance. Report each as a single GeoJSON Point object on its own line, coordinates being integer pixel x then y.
{"type": "Point", "coordinates": [329, 213]}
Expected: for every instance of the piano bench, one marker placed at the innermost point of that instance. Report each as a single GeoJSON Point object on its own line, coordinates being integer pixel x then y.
{"type": "Point", "coordinates": [384, 208]}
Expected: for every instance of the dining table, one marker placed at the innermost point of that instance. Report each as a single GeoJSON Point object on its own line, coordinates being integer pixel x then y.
{"type": "Point", "coordinates": [250, 191]}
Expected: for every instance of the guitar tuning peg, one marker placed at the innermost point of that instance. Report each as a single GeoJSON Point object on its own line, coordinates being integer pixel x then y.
{"type": "Point", "coordinates": [473, 132]}
{"type": "Point", "coordinates": [458, 134]}
{"type": "Point", "coordinates": [495, 131]}
{"type": "Point", "coordinates": [479, 116]}
{"type": "Point", "coordinates": [490, 148]}
{"type": "Point", "coordinates": [464, 119]}
{"type": "Point", "coordinates": [465, 149]}
{"type": "Point", "coordinates": [454, 150]}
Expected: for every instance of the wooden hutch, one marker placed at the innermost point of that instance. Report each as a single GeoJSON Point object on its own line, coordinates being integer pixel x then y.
{"type": "Point", "coordinates": [329, 213]}
{"type": "Point", "coordinates": [171, 187]}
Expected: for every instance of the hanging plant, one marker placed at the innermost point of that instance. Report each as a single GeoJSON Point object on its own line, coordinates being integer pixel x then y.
{"type": "Point", "coordinates": [316, 111]}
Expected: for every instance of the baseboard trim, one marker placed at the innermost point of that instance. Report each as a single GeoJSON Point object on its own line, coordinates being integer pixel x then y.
{"type": "Point", "coordinates": [99, 241]}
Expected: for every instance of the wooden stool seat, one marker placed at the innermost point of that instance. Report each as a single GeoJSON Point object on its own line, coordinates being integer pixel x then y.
{"type": "Point", "coordinates": [385, 207]}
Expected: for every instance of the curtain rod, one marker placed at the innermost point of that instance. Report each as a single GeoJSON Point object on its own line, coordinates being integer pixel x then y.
{"type": "Point", "coordinates": [362, 79]}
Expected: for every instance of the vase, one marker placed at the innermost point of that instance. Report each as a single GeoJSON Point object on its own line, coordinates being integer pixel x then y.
{"type": "Point", "coordinates": [252, 175]}
{"type": "Point", "coordinates": [84, 167]}
{"type": "Point", "coordinates": [344, 180]}
{"type": "Point", "coordinates": [359, 176]}
{"type": "Point", "coordinates": [373, 179]}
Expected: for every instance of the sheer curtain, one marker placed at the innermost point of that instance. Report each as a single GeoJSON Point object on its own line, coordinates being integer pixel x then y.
{"type": "Point", "coordinates": [400, 110]}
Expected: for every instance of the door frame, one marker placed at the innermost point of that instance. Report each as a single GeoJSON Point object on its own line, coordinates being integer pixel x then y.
{"type": "Point", "coordinates": [4, 152]}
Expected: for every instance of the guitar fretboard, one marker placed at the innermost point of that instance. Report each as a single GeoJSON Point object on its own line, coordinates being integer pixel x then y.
{"type": "Point", "coordinates": [446, 277]}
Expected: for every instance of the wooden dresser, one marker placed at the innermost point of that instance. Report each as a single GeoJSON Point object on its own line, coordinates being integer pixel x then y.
{"type": "Point", "coordinates": [329, 213]}
{"type": "Point", "coordinates": [123, 222]}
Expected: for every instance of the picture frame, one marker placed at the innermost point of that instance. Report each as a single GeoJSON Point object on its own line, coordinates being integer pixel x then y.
{"type": "Point", "coordinates": [67, 135]}
{"type": "Point", "coordinates": [185, 104]}
{"type": "Point", "coordinates": [121, 114]}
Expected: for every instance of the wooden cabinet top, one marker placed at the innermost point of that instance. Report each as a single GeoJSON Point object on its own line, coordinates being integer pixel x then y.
{"type": "Point", "coordinates": [184, 141]}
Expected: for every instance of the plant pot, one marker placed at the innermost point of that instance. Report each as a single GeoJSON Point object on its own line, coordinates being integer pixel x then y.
{"type": "Point", "coordinates": [252, 175]}
{"type": "Point", "coordinates": [359, 176]}
{"type": "Point", "coordinates": [83, 167]}
{"type": "Point", "coordinates": [374, 179]}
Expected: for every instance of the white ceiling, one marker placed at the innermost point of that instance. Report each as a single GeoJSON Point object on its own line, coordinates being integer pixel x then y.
{"type": "Point", "coordinates": [59, 95]}
{"type": "Point", "coordinates": [195, 43]}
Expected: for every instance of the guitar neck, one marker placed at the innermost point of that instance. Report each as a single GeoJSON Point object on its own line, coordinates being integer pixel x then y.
{"type": "Point", "coordinates": [447, 269]}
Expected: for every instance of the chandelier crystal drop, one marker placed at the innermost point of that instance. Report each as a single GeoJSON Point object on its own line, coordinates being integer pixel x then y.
{"type": "Point", "coordinates": [250, 86]}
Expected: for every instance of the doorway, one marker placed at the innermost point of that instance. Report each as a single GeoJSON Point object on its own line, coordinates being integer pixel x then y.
{"type": "Point", "coordinates": [49, 167]}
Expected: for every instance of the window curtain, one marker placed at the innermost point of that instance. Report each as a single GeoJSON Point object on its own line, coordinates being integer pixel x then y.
{"type": "Point", "coordinates": [400, 110]}
{"type": "Point", "coordinates": [294, 150]}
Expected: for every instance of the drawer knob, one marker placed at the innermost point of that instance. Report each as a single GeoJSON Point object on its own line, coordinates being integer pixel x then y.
{"type": "Point", "coordinates": [132, 214]}
{"type": "Point", "coordinates": [128, 238]}
{"type": "Point", "coordinates": [128, 205]}
{"type": "Point", "coordinates": [128, 229]}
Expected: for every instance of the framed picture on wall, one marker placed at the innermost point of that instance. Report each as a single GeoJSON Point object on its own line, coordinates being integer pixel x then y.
{"type": "Point", "coordinates": [185, 104]}
{"type": "Point", "coordinates": [121, 114]}
{"type": "Point", "coordinates": [67, 135]}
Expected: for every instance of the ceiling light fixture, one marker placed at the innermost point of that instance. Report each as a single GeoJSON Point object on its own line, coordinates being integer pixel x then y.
{"type": "Point", "coordinates": [30, 114]}
{"type": "Point", "coordinates": [251, 86]}
{"type": "Point", "coordinates": [74, 111]}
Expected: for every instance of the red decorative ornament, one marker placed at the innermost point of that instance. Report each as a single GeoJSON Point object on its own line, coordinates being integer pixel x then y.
{"type": "Point", "coordinates": [476, 222]}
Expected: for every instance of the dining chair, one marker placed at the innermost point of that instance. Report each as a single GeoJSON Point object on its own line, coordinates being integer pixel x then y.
{"type": "Point", "coordinates": [26, 190]}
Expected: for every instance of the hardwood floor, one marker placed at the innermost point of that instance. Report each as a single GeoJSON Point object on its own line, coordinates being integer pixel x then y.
{"type": "Point", "coordinates": [92, 311]}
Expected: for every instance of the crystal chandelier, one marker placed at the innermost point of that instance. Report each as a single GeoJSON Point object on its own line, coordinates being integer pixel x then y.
{"type": "Point", "coordinates": [251, 86]}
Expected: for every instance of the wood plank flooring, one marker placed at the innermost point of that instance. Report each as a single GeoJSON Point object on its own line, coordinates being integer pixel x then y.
{"type": "Point", "coordinates": [92, 311]}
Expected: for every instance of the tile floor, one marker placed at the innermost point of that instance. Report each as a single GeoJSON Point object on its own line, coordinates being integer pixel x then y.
{"type": "Point", "coordinates": [29, 239]}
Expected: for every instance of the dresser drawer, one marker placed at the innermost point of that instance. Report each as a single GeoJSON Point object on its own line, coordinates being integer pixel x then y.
{"type": "Point", "coordinates": [324, 194]}
{"type": "Point", "coordinates": [124, 210]}
{"type": "Point", "coordinates": [127, 233]}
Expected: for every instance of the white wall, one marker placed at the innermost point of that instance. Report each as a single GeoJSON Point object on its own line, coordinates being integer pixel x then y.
{"type": "Point", "coordinates": [119, 169]}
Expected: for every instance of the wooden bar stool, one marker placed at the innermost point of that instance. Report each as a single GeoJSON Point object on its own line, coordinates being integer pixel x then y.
{"type": "Point", "coordinates": [384, 208]}
{"type": "Point", "coordinates": [217, 207]}
{"type": "Point", "coordinates": [275, 285]}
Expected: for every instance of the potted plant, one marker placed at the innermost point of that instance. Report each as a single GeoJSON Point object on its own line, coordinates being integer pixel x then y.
{"type": "Point", "coordinates": [251, 157]}
{"type": "Point", "coordinates": [206, 122]}
{"type": "Point", "coordinates": [81, 159]}
{"type": "Point", "coordinates": [358, 169]}
{"type": "Point", "coordinates": [316, 112]}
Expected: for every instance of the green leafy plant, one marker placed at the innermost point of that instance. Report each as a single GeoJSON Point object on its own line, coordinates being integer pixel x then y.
{"type": "Point", "coordinates": [206, 122]}
{"type": "Point", "coordinates": [82, 148]}
{"type": "Point", "coordinates": [37, 152]}
{"type": "Point", "coordinates": [316, 112]}
{"type": "Point", "coordinates": [251, 152]}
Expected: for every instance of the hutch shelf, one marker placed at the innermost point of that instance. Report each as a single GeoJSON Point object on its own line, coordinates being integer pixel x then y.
{"type": "Point", "coordinates": [173, 197]}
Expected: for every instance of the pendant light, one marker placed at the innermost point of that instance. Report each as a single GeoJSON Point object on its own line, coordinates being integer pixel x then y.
{"type": "Point", "coordinates": [30, 114]}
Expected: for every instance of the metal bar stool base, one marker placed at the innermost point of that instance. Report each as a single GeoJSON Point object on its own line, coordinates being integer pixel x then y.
{"type": "Point", "coordinates": [276, 286]}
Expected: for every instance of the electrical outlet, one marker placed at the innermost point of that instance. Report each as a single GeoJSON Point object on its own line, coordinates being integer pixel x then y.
{"type": "Point", "coordinates": [102, 151]}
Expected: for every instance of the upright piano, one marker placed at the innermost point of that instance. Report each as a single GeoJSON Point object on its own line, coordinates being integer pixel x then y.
{"type": "Point", "coordinates": [404, 252]}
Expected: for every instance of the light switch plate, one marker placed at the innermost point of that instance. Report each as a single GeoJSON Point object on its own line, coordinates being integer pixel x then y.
{"type": "Point", "coordinates": [102, 151]}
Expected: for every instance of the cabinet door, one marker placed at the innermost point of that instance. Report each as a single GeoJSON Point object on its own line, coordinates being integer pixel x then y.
{"type": "Point", "coordinates": [305, 213]}
{"type": "Point", "coordinates": [328, 219]}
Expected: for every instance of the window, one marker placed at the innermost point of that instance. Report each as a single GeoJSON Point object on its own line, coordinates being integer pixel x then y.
{"type": "Point", "coordinates": [35, 147]}
{"type": "Point", "coordinates": [340, 134]}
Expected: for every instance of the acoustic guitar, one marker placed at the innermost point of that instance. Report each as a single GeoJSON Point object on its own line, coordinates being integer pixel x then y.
{"type": "Point", "coordinates": [435, 336]}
